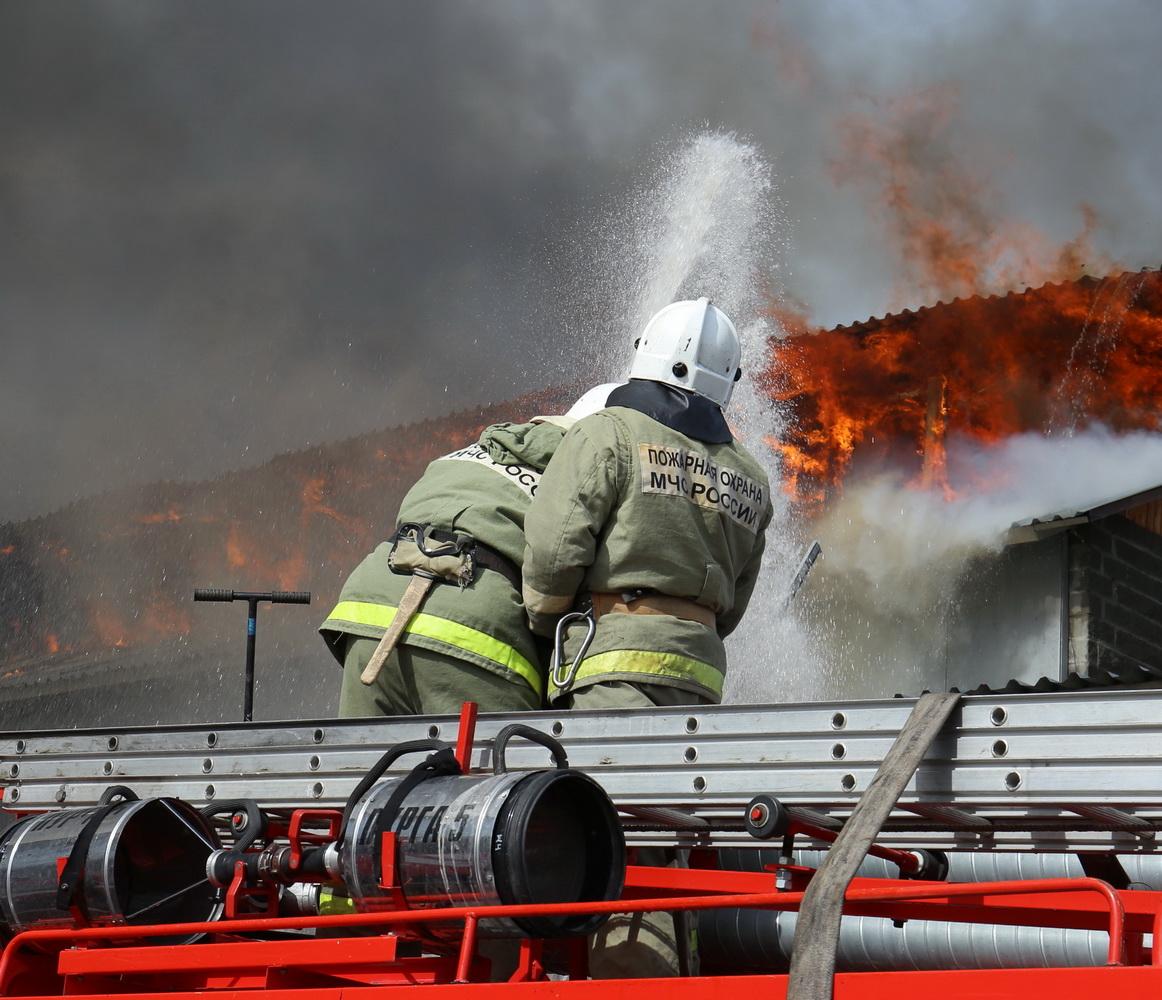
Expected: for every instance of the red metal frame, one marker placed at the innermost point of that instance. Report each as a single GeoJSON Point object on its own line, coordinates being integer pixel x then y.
{"type": "Point", "coordinates": [466, 735]}
{"type": "Point", "coordinates": [300, 838]}
{"type": "Point", "coordinates": [248, 964]}
{"type": "Point", "coordinates": [237, 960]}
{"type": "Point", "coordinates": [1027, 984]}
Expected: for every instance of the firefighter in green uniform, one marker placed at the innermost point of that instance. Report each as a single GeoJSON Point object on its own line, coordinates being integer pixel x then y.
{"type": "Point", "coordinates": [433, 617]}
{"type": "Point", "coordinates": [643, 547]}
{"type": "Point", "coordinates": [647, 530]}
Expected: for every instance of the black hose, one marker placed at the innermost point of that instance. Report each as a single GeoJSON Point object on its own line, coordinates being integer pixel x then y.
{"type": "Point", "coordinates": [255, 820]}
{"type": "Point", "coordinates": [499, 766]}
{"type": "Point", "coordinates": [123, 792]}
{"type": "Point", "coordinates": [378, 769]}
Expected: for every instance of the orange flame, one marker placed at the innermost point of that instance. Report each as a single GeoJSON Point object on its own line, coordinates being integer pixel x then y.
{"type": "Point", "coordinates": [312, 495]}
{"type": "Point", "coordinates": [1051, 359]}
{"type": "Point", "coordinates": [110, 629]}
{"type": "Point", "coordinates": [947, 225]}
{"type": "Point", "coordinates": [243, 553]}
{"type": "Point", "coordinates": [162, 619]}
{"type": "Point", "coordinates": [170, 515]}
{"type": "Point", "coordinates": [235, 555]}
{"type": "Point", "coordinates": [311, 516]}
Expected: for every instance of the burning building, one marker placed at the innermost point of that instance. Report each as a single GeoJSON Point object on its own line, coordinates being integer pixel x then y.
{"type": "Point", "coordinates": [933, 447]}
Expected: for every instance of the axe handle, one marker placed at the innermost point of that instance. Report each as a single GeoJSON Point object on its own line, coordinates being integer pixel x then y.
{"type": "Point", "coordinates": [413, 597]}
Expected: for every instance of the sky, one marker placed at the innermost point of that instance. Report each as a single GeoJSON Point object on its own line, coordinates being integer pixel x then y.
{"type": "Point", "coordinates": [230, 230]}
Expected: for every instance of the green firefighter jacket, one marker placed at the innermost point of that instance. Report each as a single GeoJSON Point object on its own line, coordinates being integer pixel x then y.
{"type": "Point", "coordinates": [483, 490]}
{"type": "Point", "coordinates": [628, 503]}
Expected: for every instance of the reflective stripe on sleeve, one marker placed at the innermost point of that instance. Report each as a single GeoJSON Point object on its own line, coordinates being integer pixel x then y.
{"type": "Point", "coordinates": [645, 662]}
{"type": "Point", "coordinates": [442, 630]}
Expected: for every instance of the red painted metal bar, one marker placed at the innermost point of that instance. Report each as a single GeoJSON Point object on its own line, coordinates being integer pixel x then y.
{"type": "Point", "coordinates": [965, 984]}
{"type": "Point", "coordinates": [907, 862]}
{"type": "Point", "coordinates": [466, 735]}
{"type": "Point", "coordinates": [529, 965]}
{"type": "Point", "coordinates": [1059, 909]}
{"type": "Point", "coordinates": [386, 919]}
{"type": "Point", "coordinates": [1141, 908]}
{"type": "Point", "coordinates": [1017, 910]}
{"type": "Point", "coordinates": [467, 951]}
{"type": "Point", "coordinates": [941, 890]}
{"type": "Point", "coordinates": [643, 880]}
{"type": "Point", "coordinates": [239, 956]}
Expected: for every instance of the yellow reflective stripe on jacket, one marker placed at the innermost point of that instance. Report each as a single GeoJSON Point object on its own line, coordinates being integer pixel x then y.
{"type": "Point", "coordinates": [443, 630]}
{"type": "Point", "coordinates": [640, 661]}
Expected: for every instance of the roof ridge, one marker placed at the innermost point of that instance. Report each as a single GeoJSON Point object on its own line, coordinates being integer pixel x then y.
{"type": "Point", "coordinates": [873, 322]}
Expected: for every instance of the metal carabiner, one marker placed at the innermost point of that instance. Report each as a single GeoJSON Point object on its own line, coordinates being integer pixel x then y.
{"type": "Point", "coordinates": [565, 681]}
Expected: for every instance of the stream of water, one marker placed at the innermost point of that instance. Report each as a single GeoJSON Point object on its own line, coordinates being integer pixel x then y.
{"type": "Point", "coordinates": [711, 223]}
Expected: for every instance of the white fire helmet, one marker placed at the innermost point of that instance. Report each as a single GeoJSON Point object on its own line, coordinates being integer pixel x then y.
{"type": "Point", "coordinates": [592, 401]}
{"type": "Point", "coordinates": [692, 345]}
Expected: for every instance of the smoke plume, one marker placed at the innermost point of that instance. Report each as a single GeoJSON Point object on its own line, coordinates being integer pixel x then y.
{"type": "Point", "coordinates": [231, 231]}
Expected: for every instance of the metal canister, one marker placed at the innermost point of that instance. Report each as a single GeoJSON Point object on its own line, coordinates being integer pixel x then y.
{"type": "Point", "coordinates": [145, 864]}
{"type": "Point", "coordinates": [548, 836]}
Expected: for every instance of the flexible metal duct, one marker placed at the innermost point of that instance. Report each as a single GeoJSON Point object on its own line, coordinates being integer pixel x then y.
{"type": "Point", "coordinates": [1144, 871]}
{"type": "Point", "coordinates": [760, 940]}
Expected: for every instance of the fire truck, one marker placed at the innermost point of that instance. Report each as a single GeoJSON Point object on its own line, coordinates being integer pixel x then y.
{"type": "Point", "coordinates": [989, 844]}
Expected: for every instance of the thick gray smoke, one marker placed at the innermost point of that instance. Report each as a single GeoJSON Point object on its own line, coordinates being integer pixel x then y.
{"type": "Point", "coordinates": [229, 230]}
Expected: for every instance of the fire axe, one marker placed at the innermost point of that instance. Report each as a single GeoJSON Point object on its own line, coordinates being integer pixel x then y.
{"type": "Point", "coordinates": [252, 597]}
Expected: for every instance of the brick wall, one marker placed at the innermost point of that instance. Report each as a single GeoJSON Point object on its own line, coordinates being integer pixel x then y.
{"type": "Point", "coordinates": [1115, 600]}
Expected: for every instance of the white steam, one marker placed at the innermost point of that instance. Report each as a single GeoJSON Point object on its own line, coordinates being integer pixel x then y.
{"type": "Point", "coordinates": [886, 603]}
{"type": "Point", "coordinates": [882, 531]}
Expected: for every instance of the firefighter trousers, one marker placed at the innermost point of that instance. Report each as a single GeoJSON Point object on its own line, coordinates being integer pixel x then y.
{"type": "Point", "coordinates": [417, 681]}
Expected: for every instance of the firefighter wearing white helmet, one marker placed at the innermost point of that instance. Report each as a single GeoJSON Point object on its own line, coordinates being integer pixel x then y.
{"type": "Point", "coordinates": [693, 346]}
{"type": "Point", "coordinates": [433, 617]}
{"type": "Point", "coordinates": [645, 537]}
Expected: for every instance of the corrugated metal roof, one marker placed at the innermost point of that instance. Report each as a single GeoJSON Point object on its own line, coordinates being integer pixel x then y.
{"type": "Point", "coordinates": [872, 323]}
{"type": "Point", "coordinates": [1136, 675]}
{"type": "Point", "coordinates": [1031, 528]}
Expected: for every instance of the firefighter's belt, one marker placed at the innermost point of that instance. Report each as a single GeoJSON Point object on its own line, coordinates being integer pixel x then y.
{"type": "Point", "coordinates": [651, 604]}
{"type": "Point", "coordinates": [407, 557]}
